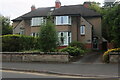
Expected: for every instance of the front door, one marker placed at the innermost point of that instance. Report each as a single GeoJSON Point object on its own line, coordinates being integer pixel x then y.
{"type": "Point", "coordinates": [95, 43]}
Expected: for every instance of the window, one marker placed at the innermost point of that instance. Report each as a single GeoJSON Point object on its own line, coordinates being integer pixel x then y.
{"type": "Point", "coordinates": [37, 21]}
{"type": "Point", "coordinates": [35, 34]}
{"type": "Point", "coordinates": [64, 38]}
{"type": "Point", "coordinates": [82, 30]}
{"type": "Point", "coordinates": [63, 20]}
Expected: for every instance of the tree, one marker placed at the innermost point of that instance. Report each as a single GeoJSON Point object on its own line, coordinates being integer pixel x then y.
{"type": "Point", "coordinates": [111, 22]}
{"type": "Point", "coordinates": [6, 27]}
{"type": "Point", "coordinates": [95, 6]}
{"type": "Point", "coordinates": [48, 36]}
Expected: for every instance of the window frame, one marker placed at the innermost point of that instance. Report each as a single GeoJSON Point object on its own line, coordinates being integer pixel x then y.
{"type": "Point", "coordinates": [66, 36]}
{"type": "Point", "coordinates": [82, 29]}
{"type": "Point", "coordinates": [37, 21]}
{"type": "Point", "coordinates": [63, 20]}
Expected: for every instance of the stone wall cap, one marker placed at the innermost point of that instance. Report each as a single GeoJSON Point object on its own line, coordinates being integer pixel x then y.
{"type": "Point", "coordinates": [42, 53]}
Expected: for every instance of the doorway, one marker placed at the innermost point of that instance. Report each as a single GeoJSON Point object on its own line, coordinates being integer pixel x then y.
{"type": "Point", "coordinates": [95, 43]}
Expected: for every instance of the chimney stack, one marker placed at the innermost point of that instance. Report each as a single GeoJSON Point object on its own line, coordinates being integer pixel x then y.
{"type": "Point", "coordinates": [57, 4]}
{"type": "Point", "coordinates": [33, 8]}
{"type": "Point", "coordinates": [86, 4]}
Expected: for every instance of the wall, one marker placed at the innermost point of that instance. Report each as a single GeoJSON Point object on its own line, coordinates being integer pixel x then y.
{"type": "Point", "coordinates": [74, 28]}
{"type": "Point", "coordinates": [114, 57]}
{"type": "Point", "coordinates": [87, 38]}
{"type": "Point", "coordinates": [36, 56]}
{"type": "Point", "coordinates": [17, 26]}
{"type": "Point", "coordinates": [96, 22]}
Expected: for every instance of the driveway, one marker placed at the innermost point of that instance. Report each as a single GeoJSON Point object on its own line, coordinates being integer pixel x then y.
{"type": "Point", "coordinates": [92, 58]}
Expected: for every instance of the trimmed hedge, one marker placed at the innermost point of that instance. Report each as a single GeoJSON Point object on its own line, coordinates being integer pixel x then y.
{"type": "Point", "coordinates": [14, 43]}
{"type": "Point", "coordinates": [106, 54]}
{"type": "Point", "coordinates": [73, 51]}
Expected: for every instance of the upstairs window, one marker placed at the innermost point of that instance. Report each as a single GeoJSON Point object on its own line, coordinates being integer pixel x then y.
{"type": "Point", "coordinates": [37, 21]}
{"type": "Point", "coordinates": [63, 20]}
{"type": "Point", "coordinates": [82, 30]}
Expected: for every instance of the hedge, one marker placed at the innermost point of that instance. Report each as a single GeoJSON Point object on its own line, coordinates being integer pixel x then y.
{"type": "Point", "coordinates": [73, 51]}
{"type": "Point", "coordinates": [14, 43]}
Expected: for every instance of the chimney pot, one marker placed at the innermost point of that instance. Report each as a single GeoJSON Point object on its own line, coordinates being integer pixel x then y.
{"type": "Point", "coordinates": [57, 4]}
{"type": "Point", "coordinates": [33, 8]}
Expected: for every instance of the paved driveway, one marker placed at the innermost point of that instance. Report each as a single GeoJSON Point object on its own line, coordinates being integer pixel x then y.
{"type": "Point", "coordinates": [92, 58]}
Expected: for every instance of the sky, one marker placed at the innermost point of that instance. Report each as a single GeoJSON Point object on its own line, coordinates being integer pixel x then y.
{"type": "Point", "coordinates": [16, 8]}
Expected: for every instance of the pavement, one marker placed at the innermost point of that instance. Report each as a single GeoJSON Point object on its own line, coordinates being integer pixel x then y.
{"type": "Point", "coordinates": [88, 66]}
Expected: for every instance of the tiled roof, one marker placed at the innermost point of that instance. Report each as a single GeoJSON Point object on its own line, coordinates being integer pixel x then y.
{"type": "Point", "coordinates": [63, 10]}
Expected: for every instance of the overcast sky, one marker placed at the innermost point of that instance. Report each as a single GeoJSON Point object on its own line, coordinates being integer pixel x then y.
{"type": "Point", "coordinates": [15, 8]}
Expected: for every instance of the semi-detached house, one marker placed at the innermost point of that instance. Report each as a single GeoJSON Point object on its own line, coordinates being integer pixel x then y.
{"type": "Point", "coordinates": [73, 23]}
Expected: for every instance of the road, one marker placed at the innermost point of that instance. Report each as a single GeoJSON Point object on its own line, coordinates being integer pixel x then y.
{"type": "Point", "coordinates": [21, 74]}
{"type": "Point", "coordinates": [18, 75]}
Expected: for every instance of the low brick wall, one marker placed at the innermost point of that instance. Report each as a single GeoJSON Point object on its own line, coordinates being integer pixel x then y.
{"type": "Point", "coordinates": [114, 57]}
{"type": "Point", "coordinates": [35, 56]}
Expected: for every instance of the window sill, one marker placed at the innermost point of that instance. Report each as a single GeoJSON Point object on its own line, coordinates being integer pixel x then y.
{"type": "Point", "coordinates": [82, 34]}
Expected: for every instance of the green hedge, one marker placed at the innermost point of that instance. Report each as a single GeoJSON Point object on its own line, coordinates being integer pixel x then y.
{"type": "Point", "coordinates": [77, 44]}
{"type": "Point", "coordinates": [14, 43]}
{"type": "Point", "coordinates": [73, 51]}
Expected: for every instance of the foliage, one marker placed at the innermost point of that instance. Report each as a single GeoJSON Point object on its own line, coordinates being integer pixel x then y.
{"type": "Point", "coordinates": [48, 36]}
{"type": "Point", "coordinates": [73, 51]}
{"type": "Point", "coordinates": [96, 8]}
{"type": "Point", "coordinates": [77, 44]}
{"type": "Point", "coordinates": [106, 54]}
{"type": "Point", "coordinates": [18, 43]}
{"type": "Point", "coordinates": [6, 27]}
{"type": "Point", "coordinates": [111, 25]}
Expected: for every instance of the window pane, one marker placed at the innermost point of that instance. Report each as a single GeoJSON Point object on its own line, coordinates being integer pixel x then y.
{"type": "Point", "coordinates": [63, 20]}
{"type": "Point", "coordinates": [82, 30]}
{"type": "Point", "coordinates": [36, 21]}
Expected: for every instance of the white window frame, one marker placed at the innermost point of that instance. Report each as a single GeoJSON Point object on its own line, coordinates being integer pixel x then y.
{"type": "Point", "coordinates": [35, 34]}
{"type": "Point", "coordinates": [37, 21]}
{"type": "Point", "coordinates": [63, 20]}
{"type": "Point", "coordinates": [67, 38]}
{"type": "Point", "coordinates": [82, 29]}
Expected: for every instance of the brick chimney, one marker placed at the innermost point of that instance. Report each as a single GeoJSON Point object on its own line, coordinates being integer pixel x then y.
{"type": "Point", "coordinates": [57, 4]}
{"type": "Point", "coordinates": [86, 4]}
{"type": "Point", "coordinates": [33, 8]}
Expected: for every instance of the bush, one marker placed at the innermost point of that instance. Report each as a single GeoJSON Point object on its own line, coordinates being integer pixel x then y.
{"type": "Point", "coordinates": [73, 51]}
{"type": "Point", "coordinates": [13, 43]}
{"type": "Point", "coordinates": [48, 37]}
{"type": "Point", "coordinates": [106, 54]}
{"type": "Point", "coordinates": [77, 44]}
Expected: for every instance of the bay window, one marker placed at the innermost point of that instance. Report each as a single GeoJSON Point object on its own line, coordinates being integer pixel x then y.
{"type": "Point", "coordinates": [34, 34]}
{"type": "Point", "coordinates": [64, 38]}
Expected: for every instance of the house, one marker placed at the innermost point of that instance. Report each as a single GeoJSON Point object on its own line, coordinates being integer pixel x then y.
{"type": "Point", "coordinates": [73, 23]}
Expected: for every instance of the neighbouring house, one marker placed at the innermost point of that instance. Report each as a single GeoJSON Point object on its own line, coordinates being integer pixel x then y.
{"type": "Point", "coordinates": [73, 23]}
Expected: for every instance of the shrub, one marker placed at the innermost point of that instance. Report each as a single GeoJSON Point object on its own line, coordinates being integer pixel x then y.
{"type": "Point", "coordinates": [73, 51]}
{"type": "Point", "coordinates": [18, 43]}
{"type": "Point", "coordinates": [48, 37]}
{"type": "Point", "coordinates": [106, 54]}
{"type": "Point", "coordinates": [77, 44]}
